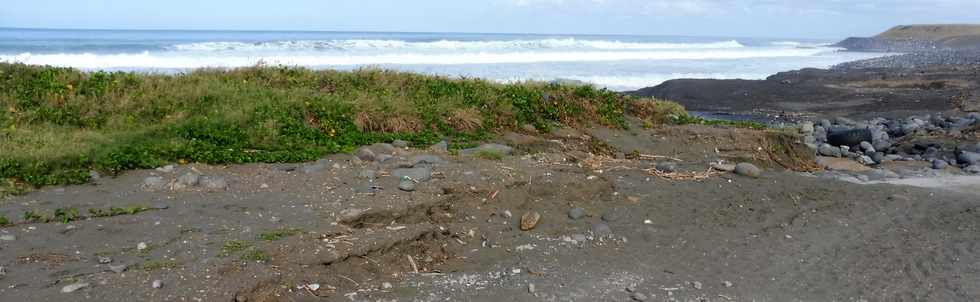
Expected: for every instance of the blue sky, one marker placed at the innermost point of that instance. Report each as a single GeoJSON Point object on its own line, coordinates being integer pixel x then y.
{"type": "Point", "coordinates": [759, 18]}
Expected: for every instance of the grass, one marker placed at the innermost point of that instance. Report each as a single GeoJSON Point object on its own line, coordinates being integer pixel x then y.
{"type": "Point", "coordinates": [254, 254]}
{"type": "Point", "coordinates": [489, 154]}
{"type": "Point", "coordinates": [279, 234]}
{"type": "Point", "coordinates": [4, 221]}
{"type": "Point", "coordinates": [58, 124]}
{"type": "Point", "coordinates": [234, 246]}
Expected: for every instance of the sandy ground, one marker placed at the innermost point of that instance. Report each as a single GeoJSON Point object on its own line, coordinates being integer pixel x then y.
{"type": "Point", "coordinates": [780, 237]}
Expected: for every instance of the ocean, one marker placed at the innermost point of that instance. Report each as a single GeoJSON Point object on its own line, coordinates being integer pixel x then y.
{"type": "Point", "coordinates": [616, 62]}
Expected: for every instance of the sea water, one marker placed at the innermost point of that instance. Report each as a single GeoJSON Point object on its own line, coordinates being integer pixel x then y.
{"type": "Point", "coordinates": [613, 61]}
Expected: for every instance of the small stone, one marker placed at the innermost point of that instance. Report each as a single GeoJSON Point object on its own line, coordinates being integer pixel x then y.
{"type": "Point", "coordinates": [667, 166]}
{"type": "Point", "coordinates": [157, 284]}
{"type": "Point", "coordinates": [94, 175]}
{"type": "Point", "coordinates": [119, 269]}
{"type": "Point", "coordinates": [508, 214]}
{"type": "Point", "coordinates": [104, 260]}
{"type": "Point", "coordinates": [530, 220]}
{"type": "Point", "coordinates": [723, 167]}
{"type": "Point", "coordinates": [425, 159]}
{"type": "Point", "coordinates": [601, 229]}
{"type": "Point", "coordinates": [968, 158]}
{"type": "Point", "coordinates": [865, 160]}
{"type": "Point", "coordinates": [214, 182]}
{"type": "Point", "coordinates": [406, 184]}
{"type": "Point", "coordinates": [727, 284]}
{"type": "Point", "coordinates": [387, 285]}
{"type": "Point", "coordinates": [614, 214]}
{"type": "Point", "coordinates": [806, 127]}
{"type": "Point", "coordinates": [154, 183]}
{"type": "Point", "coordinates": [939, 164]}
{"type": "Point", "coordinates": [576, 213]}
{"type": "Point", "coordinates": [530, 288]}
{"type": "Point", "coordinates": [166, 169]}
{"type": "Point", "coordinates": [747, 169]}
{"type": "Point", "coordinates": [8, 237]}
{"type": "Point", "coordinates": [368, 189]}
{"type": "Point", "coordinates": [866, 146]}
{"type": "Point", "coordinates": [828, 150]}
{"type": "Point", "coordinates": [400, 144]}
{"type": "Point", "coordinates": [417, 174]}
{"type": "Point", "coordinates": [159, 206]}
{"type": "Point", "coordinates": [580, 237]}
{"type": "Point", "coordinates": [973, 169]}
{"type": "Point", "coordinates": [697, 285]}
{"type": "Point", "coordinates": [189, 179]}
{"type": "Point", "coordinates": [639, 297]}
{"type": "Point", "coordinates": [365, 154]}
{"type": "Point", "coordinates": [141, 246]}
{"type": "Point", "coordinates": [74, 287]}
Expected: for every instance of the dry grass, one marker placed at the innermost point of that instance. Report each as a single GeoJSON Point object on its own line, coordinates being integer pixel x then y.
{"type": "Point", "coordinates": [656, 111]}
{"type": "Point", "coordinates": [465, 119]}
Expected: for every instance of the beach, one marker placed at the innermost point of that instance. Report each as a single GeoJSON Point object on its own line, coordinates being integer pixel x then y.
{"type": "Point", "coordinates": [853, 181]}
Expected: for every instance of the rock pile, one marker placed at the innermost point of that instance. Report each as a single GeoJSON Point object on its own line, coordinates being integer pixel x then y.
{"type": "Point", "coordinates": [876, 141]}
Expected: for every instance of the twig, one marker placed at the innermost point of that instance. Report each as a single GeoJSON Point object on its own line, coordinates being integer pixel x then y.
{"type": "Point", "coordinates": [647, 156]}
{"type": "Point", "coordinates": [415, 267]}
{"type": "Point", "coordinates": [351, 280]}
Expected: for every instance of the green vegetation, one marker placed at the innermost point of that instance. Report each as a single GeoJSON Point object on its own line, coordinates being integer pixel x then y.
{"type": "Point", "coordinates": [489, 154]}
{"type": "Point", "coordinates": [279, 234]}
{"type": "Point", "coordinates": [4, 221]}
{"type": "Point", "coordinates": [57, 124]}
{"type": "Point", "coordinates": [234, 246]}
{"type": "Point", "coordinates": [254, 254]}
{"type": "Point", "coordinates": [66, 215]}
{"type": "Point", "coordinates": [31, 216]}
{"type": "Point", "coordinates": [687, 119]}
{"type": "Point", "coordinates": [114, 211]}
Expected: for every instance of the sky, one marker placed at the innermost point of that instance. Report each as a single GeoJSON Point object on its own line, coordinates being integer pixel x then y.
{"type": "Point", "coordinates": [730, 18]}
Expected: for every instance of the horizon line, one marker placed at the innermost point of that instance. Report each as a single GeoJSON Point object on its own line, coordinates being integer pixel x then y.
{"type": "Point", "coordinates": [396, 32]}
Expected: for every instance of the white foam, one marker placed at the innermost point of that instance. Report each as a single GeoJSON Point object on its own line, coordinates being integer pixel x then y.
{"type": "Point", "coordinates": [197, 60]}
{"type": "Point", "coordinates": [355, 45]}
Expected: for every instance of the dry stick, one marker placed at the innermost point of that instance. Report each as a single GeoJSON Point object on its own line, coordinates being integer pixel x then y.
{"type": "Point", "coordinates": [659, 157]}
{"type": "Point", "coordinates": [349, 279]}
{"type": "Point", "coordinates": [415, 267]}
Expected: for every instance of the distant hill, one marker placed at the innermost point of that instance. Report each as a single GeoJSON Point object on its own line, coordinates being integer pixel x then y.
{"type": "Point", "coordinates": [916, 38]}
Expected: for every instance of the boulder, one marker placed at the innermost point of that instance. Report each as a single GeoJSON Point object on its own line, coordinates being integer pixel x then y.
{"type": "Point", "coordinates": [968, 158]}
{"type": "Point", "coordinates": [667, 166]}
{"type": "Point", "coordinates": [747, 169]}
{"type": "Point", "coordinates": [939, 164]}
{"type": "Point", "coordinates": [852, 137]}
{"type": "Point", "coordinates": [418, 174]}
{"type": "Point", "coordinates": [828, 150]}
{"type": "Point", "coordinates": [492, 148]}
{"type": "Point", "coordinates": [365, 154]}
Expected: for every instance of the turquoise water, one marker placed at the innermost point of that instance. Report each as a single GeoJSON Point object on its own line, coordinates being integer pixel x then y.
{"type": "Point", "coordinates": [615, 62]}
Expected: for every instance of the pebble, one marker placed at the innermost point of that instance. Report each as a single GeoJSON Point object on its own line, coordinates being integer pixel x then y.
{"type": "Point", "coordinates": [508, 214]}
{"type": "Point", "coordinates": [189, 179]}
{"type": "Point", "coordinates": [406, 184]}
{"type": "Point", "coordinates": [141, 246]}
{"type": "Point", "coordinates": [747, 169]}
{"type": "Point", "coordinates": [494, 148]}
{"type": "Point", "coordinates": [727, 284]}
{"type": "Point", "coordinates": [8, 237]}
{"type": "Point", "coordinates": [866, 160]}
{"type": "Point", "coordinates": [576, 213]}
{"type": "Point", "coordinates": [601, 229]}
{"type": "Point", "coordinates": [418, 174]}
{"type": "Point", "coordinates": [159, 206]}
{"type": "Point", "coordinates": [387, 285]}
{"type": "Point", "coordinates": [939, 164]}
{"type": "Point", "coordinates": [614, 214]}
{"type": "Point", "coordinates": [667, 166]}
{"type": "Point", "coordinates": [639, 297]}
{"type": "Point", "coordinates": [157, 284]}
{"type": "Point", "coordinates": [119, 269]}
{"type": "Point", "coordinates": [154, 183]}
{"type": "Point", "coordinates": [166, 169]}
{"type": "Point", "coordinates": [425, 159]}
{"type": "Point", "coordinates": [723, 167]}
{"type": "Point", "coordinates": [104, 260]}
{"type": "Point", "coordinates": [530, 288]}
{"type": "Point", "coordinates": [530, 220]}
{"type": "Point", "coordinates": [968, 158]}
{"type": "Point", "coordinates": [315, 167]}
{"type": "Point", "coordinates": [365, 154]}
{"type": "Point", "coordinates": [828, 150]}
{"type": "Point", "coordinates": [697, 285]}
{"type": "Point", "coordinates": [580, 237]}
{"type": "Point", "coordinates": [74, 287]}
{"type": "Point", "coordinates": [975, 169]}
